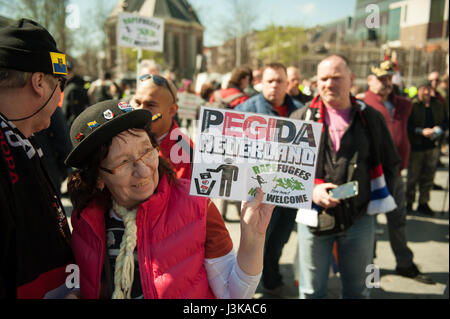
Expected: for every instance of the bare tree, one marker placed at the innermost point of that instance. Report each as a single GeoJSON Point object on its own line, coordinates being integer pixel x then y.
{"type": "Point", "coordinates": [237, 20]}
{"type": "Point", "coordinates": [50, 14]}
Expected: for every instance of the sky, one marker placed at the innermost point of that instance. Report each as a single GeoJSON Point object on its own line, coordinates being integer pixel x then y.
{"type": "Point", "coordinates": [305, 13]}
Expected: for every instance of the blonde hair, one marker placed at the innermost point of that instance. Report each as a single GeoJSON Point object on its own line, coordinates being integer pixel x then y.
{"type": "Point", "coordinates": [124, 270]}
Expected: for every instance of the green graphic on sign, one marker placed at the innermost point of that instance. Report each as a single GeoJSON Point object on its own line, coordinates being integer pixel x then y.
{"type": "Point", "coordinates": [288, 183]}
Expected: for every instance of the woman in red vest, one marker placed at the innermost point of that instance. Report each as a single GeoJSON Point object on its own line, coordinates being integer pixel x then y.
{"type": "Point", "coordinates": [234, 94]}
{"type": "Point", "coordinates": [136, 231]}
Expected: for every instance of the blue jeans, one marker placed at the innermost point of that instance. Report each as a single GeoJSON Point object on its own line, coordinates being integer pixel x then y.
{"type": "Point", "coordinates": [355, 252]}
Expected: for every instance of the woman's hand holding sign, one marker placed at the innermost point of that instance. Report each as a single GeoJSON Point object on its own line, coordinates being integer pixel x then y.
{"type": "Point", "coordinates": [255, 217]}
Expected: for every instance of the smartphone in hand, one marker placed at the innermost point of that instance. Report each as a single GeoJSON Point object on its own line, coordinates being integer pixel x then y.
{"type": "Point", "coordinates": [345, 191]}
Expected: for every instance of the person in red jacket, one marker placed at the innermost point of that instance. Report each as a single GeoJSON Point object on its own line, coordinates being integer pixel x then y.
{"type": "Point", "coordinates": [395, 110]}
{"type": "Point", "coordinates": [234, 94]}
{"type": "Point", "coordinates": [159, 95]}
{"type": "Point", "coordinates": [136, 231]}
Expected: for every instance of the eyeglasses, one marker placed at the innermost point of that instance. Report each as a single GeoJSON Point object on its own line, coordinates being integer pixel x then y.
{"type": "Point", "coordinates": [127, 168]}
{"type": "Point", "coordinates": [158, 80]}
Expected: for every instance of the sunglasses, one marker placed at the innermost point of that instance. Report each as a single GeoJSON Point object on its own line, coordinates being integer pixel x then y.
{"type": "Point", "coordinates": [62, 82]}
{"type": "Point", "coordinates": [158, 80]}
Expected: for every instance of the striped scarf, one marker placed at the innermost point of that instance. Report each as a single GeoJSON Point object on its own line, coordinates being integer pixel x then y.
{"type": "Point", "coordinates": [381, 201]}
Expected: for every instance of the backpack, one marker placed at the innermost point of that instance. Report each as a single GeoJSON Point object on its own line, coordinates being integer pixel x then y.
{"type": "Point", "coordinates": [224, 103]}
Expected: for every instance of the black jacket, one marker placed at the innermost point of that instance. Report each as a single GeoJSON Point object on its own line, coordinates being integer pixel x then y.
{"type": "Point", "coordinates": [416, 123]}
{"type": "Point", "coordinates": [354, 159]}
{"type": "Point", "coordinates": [75, 99]}
{"type": "Point", "coordinates": [34, 233]}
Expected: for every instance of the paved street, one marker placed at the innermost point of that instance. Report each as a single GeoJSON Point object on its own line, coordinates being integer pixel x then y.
{"type": "Point", "coordinates": [428, 238]}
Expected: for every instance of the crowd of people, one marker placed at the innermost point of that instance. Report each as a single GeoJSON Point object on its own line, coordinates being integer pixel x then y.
{"type": "Point", "coordinates": [137, 233]}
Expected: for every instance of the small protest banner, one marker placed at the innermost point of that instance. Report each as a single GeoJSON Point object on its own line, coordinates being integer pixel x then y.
{"type": "Point", "coordinates": [136, 31]}
{"type": "Point", "coordinates": [188, 103]}
{"type": "Point", "coordinates": [236, 152]}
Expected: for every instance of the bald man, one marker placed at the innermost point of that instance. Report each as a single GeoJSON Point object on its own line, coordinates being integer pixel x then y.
{"type": "Point", "coordinates": [434, 78]}
{"type": "Point", "coordinates": [159, 95]}
{"type": "Point", "coordinates": [355, 144]}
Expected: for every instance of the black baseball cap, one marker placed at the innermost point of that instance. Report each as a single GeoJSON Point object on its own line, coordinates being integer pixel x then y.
{"type": "Point", "coordinates": [28, 47]}
{"type": "Point", "coordinates": [99, 123]}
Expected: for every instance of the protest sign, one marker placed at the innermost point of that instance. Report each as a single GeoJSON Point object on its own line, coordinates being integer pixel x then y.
{"type": "Point", "coordinates": [188, 103]}
{"type": "Point", "coordinates": [236, 152]}
{"type": "Point", "coordinates": [136, 31]}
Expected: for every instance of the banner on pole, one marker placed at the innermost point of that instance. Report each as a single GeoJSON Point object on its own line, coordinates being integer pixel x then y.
{"type": "Point", "coordinates": [236, 152]}
{"type": "Point", "coordinates": [135, 31]}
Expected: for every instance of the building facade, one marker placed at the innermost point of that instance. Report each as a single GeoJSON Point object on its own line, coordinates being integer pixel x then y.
{"type": "Point", "coordinates": [183, 35]}
{"type": "Point", "coordinates": [419, 23]}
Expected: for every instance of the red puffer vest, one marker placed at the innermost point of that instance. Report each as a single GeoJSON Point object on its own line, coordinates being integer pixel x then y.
{"type": "Point", "coordinates": [171, 234]}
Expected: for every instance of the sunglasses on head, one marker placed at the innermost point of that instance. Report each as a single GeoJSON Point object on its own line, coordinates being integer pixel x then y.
{"type": "Point", "coordinates": [158, 80]}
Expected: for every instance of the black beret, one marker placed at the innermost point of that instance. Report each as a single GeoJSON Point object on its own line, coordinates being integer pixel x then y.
{"type": "Point", "coordinates": [28, 47]}
{"type": "Point", "coordinates": [99, 123]}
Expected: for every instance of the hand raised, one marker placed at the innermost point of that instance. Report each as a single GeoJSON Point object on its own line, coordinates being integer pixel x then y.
{"type": "Point", "coordinates": [255, 216]}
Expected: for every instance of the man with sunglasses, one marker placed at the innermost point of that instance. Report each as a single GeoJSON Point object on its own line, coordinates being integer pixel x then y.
{"type": "Point", "coordinates": [159, 95]}
{"type": "Point", "coordinates": [34, 233]}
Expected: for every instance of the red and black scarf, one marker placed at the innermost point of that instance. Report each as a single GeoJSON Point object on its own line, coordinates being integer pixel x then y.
{"type": "Point", "coordinates": [40, 229]}
{"type": "Point", "coordinates": [381, 200]}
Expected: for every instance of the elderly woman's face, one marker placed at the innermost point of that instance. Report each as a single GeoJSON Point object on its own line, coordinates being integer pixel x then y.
{"type": "Point", "coordinates": [134, 162]}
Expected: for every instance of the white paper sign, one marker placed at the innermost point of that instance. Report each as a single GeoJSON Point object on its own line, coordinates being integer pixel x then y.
{"type": "Point", "coordinates": [188, 103]}
{"type": "Point", "coordinates": [136, 31]}
{"type": "Point", "coordinates": [236, 152]}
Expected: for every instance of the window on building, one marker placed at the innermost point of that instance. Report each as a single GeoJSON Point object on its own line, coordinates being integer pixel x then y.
{"type": "Point", "coordinates": [435, 25]}
{"type": "Point", "coordinates": [393, 30]}
{"type": "Point", "coordinates": [437, 10]}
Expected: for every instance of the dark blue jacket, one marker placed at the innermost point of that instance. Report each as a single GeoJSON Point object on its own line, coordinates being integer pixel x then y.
{"type": "Point", "coordinates": [258, 104]}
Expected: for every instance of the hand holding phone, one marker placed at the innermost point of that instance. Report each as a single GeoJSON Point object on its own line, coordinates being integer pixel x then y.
{"type": "Point", "coordinates": [345, 191]}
